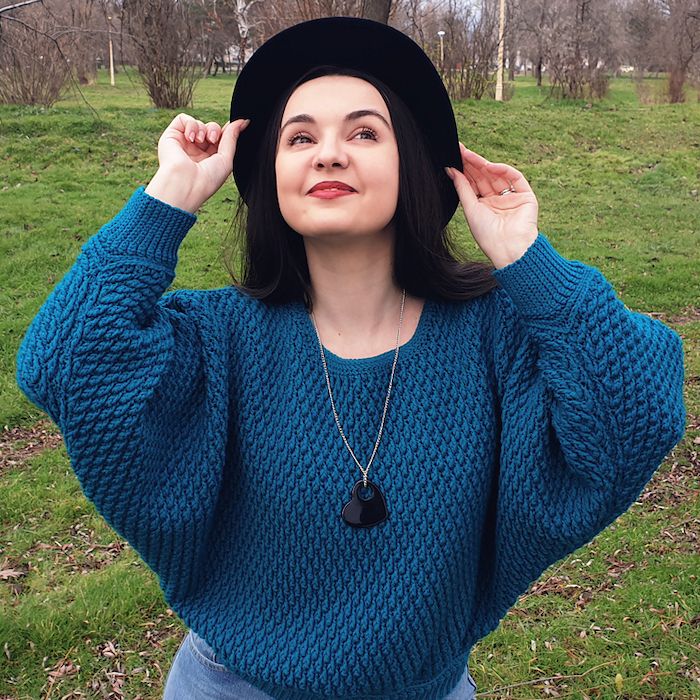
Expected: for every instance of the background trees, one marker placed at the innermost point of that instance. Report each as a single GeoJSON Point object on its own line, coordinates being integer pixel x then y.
{"type": "Point", "coordinates": [573, 46]}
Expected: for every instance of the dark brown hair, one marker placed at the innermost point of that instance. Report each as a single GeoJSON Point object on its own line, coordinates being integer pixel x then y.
{"type": "Point", "coordinates": [426, 260]}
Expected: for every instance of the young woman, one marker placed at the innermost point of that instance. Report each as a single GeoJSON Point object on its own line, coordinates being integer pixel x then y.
{"type": "Point", "coordinates": [508, 412]}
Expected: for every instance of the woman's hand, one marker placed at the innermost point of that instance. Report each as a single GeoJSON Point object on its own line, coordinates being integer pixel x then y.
{"type": "Point", "coordinates": [504, 226]}
{"type": "Point", "coordinates": [194, 160]}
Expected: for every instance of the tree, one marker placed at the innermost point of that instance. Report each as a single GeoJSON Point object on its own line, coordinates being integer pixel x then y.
{"type": "Point", "coordinates": [535, 22]}
{"type": "Point", "coordinates": [33, 67]}
{"type": "Point", "coordinates": [163, 35]}
{"type": "Point", "coordinates": [582, 50]}
{"type": "Point", "coordinates": [664, 35]}
{"type": "Point", "coordinates": [681, 32]}
{"type": "Point", "coordinates": [377, 10]}
{"type": "Point", "coordinates": [643, 21]}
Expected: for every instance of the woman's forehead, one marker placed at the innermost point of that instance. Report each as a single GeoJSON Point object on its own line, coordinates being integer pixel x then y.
{"type": "Point", "coordinates": [335, 94]}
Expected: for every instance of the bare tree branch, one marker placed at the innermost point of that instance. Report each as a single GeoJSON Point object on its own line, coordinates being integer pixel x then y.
{"type": "Point", "coordinates": [19, 4]}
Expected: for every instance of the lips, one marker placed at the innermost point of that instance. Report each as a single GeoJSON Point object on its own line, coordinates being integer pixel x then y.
{"type": "Point", "coordinates": [331, 185]}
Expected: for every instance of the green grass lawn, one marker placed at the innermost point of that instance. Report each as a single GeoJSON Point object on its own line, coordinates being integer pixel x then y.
{"type": "Point", "coordinates": [617, 182]}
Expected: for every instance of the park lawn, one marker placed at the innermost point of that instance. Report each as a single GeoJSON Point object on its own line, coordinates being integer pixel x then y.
{"type": "Point", "coordinates": [617, 183]}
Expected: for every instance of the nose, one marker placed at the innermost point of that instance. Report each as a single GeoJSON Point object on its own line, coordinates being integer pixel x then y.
{"type": "Point", "coordinates": [330, 153]}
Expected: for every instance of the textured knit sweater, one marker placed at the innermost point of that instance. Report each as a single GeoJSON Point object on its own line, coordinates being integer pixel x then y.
{"type": "Point", "coordinates": [521, 423]}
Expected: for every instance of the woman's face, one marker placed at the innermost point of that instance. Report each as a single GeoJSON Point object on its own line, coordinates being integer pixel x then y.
{"type": "Point", "coordinates": [321, 139]}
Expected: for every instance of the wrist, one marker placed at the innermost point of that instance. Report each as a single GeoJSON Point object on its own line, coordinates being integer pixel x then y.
{"type": "Point", "coordinates": [512, 252]}
{"type": "Point", "coordinates": [168, 187]}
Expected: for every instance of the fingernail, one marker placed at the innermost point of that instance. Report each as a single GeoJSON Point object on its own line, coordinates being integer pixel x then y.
{"type": "Point", "coordinates": [449, 173]}
{"type": "Point", "coordinates": [246, 122]}
{"type": "Point", "coordinates": [213, 136]}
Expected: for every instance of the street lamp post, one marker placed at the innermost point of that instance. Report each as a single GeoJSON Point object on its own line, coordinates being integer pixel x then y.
{"type": "Point", "coordinates": [442, 50]}
{"type": "Point", "coordinates": [111, 53]}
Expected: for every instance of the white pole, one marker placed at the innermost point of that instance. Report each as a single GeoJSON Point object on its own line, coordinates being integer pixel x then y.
{"type": "Point", "coordinates": [111, 55]}
{"type": "Point", "coordinates": [501, 32]}
{"type": "Point", "coordinates": [442, 50]}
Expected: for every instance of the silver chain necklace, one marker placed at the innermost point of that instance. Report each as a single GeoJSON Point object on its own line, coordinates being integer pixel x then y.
{"type": "Point", "coordinates": [366, 506]}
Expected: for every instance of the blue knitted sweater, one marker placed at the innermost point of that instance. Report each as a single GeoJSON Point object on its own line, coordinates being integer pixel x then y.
{"type": "Point", "coordinates": [521, 423]}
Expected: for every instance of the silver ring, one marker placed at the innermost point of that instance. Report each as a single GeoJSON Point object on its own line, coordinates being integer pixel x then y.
{"type": "Point", "coordinates": [510, 189]}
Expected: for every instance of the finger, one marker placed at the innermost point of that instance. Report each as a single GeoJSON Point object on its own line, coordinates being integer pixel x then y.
{"type": "Point", "coordinates": [493, 177]}
{"type": "Point", "coordinates": [180, 124]}
{"type": "Point", "coordinates": [492, 181]}
{"type": "Point", "coordinates": [473, 184]}
{"type": "Point", "coordinates": [484, 184]}
{"type": "Point", "coordinates": [465, 190]}
{"type": "Point", "coordinates": [509, 174]}
{"type": "Point", "coordinates": [192, 129]}
{"type": "Point", "coordinates": [472, 157]}
{"type": "Point", "coordinates": [180, 121]}
{"type": "Point", "coordinates": [229, 138]}
{"type": "Point", "coordinates": [200, 133]}
{"type": "Point", "coordinates": [478, 169]}
{"type": "Point", "coordinates": [472, 167]}
{"type": "Point", "coordinates": [213, 131]}
{"type": "Point", "coordinates": [187, 125]}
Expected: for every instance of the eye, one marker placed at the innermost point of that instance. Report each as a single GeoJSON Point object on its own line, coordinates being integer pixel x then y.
{"type": "Point", "coordinates": [293, 139]}
{"type": "Point", "coordinates": [367, 130]}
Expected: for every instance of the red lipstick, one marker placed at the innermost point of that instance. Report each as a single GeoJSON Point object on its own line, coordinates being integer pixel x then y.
{"type": "Point", "coordinates": [330, 189]}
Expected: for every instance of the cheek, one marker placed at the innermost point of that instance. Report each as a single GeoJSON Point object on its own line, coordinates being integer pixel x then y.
{"type": "Point", "coordinates": [286, 175]}
{"type": "Point", "coordinates": [282, 184]}
{"type": "Point", "coordinates": [391, 174]}
{"type": "Point", "coordinates": [392, 165]}
{"type": "Point", "coordinates": [286, 181]}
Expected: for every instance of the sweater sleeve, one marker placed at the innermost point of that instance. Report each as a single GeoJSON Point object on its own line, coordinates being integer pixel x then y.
{"type": "Point", "coordinates": [591, 401]}
{"type": "Point", "coordinates": [113, 360]}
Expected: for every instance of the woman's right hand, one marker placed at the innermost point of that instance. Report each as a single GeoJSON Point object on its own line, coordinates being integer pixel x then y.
{"type": "Point", "coordinates": [195, 159]}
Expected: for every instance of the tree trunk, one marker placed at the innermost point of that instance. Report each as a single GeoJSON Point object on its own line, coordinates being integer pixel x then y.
{"type": "Point", "coordinates": [676, 81]}
{"type": "Point", "coordinates": [378, 10]}
{"type": "Point", "coordinates": [242, 47]}
{"type": "Point", "coordinates": [512, 57]}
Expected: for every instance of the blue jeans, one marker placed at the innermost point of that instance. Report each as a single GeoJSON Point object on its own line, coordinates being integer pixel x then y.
{"type": "Point", "coordinates": [197, 675]}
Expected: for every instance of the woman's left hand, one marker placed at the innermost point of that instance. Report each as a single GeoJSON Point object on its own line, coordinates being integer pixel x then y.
{"type": "Point", "coordinates": [504, 226]}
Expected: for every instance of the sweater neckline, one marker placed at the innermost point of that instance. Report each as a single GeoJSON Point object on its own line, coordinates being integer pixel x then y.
{"type": "Point", "coordinates": [348, 364]}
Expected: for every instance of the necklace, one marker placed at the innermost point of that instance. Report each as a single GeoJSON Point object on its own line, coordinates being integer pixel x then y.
{"type": "Point", "coordinates": [366, 506]}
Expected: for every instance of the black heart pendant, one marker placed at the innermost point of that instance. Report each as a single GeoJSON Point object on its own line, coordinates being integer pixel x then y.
{"type": "Point", "coordinates": [367, 506]}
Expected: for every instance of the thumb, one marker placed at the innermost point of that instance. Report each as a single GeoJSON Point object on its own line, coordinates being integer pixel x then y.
{"type": "Point", "coordinates": [464, 189]}
{"type": "Point", "coordinates": [229, 138]}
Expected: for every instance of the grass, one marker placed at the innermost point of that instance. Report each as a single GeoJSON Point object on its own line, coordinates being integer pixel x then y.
{"type": "Point", "coordinates": [617, 182]}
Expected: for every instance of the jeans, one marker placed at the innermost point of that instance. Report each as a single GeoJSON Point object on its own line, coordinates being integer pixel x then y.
{"type": "Point", "coordinates": [197, 675]}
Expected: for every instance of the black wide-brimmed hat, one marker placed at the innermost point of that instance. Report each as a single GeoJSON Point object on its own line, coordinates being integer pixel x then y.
{"type": "Point", "coordinates": [362, 44]}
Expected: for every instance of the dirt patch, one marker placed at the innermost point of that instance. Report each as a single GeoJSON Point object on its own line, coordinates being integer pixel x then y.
{"type": "Point", "coordinates": [688, 315]}
{"type": "Point", "coordinates": [19, 444]}
{"type": "Point", "coordinates": [75, 551]}
{"type": "Point", "coordinates": [678, 479]}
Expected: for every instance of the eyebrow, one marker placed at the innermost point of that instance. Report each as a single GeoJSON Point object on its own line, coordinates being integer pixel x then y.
{"type": "Point", "coordinates": [357, 114]}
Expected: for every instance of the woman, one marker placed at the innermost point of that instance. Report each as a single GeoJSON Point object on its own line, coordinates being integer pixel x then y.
{"type": "Point", "coordinates": [227, 434]}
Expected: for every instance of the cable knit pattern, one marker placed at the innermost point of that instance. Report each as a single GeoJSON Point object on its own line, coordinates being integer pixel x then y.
{"type": "Point", "coordinates": [198, 422]}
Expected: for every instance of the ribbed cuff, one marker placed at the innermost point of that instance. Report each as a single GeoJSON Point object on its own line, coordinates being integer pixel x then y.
{"type": "Point", "coordinates": [147, 228]}
{"type": "Point", "coordinates": [543, 283]}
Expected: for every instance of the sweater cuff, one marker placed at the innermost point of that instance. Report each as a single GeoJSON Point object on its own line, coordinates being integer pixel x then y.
{"type": "Point", "coordinates": [147, 228]}
{"type": "Point", "coordinates": [541, 282]}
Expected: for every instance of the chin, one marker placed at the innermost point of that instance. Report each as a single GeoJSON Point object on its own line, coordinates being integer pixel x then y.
{"type": "Point", "coordinates": [340, 226]}
{"type": "Point", "coordinates": [339, 231]}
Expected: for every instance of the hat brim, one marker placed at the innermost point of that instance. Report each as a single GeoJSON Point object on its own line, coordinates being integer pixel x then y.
{"type": "Point", "coordinates": [363, 44]}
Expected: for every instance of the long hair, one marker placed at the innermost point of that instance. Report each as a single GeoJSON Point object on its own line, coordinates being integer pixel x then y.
{"type": "Point", "coordinates": [427, 263]}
